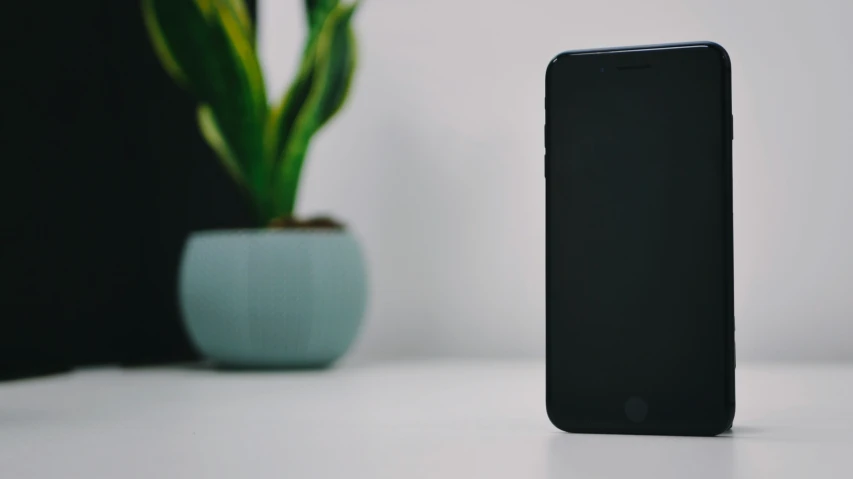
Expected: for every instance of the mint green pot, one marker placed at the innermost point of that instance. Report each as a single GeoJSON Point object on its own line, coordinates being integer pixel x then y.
{"type": "Point", "coordinates": [272, 298]}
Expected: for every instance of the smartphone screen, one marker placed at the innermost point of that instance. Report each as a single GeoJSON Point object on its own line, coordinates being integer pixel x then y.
{"type": "Point", "coordinates": [639, 262]}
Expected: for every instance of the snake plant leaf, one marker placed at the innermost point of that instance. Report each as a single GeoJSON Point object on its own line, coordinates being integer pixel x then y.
{"type": "Point", "coordinates": [342, 66]}
{"type": "Point", "coordinates": [209, 42]}
{"type": "Point", "coordinates": [209, 127]}
{"type": "Point", "coordinates": [318, 10]}
{"type": "Point", "coordinates": [241, 14]}
{"type": "Point", "coordinates": [161, 46]}
{"type": "Point", "coordinates": [281, 120]}
{"type": "Point", "coordinates": [206, 6]}
{"type": "Point", "coordinates": [249, 116]}
{"type": "Point", "coordinates": [328, 75]}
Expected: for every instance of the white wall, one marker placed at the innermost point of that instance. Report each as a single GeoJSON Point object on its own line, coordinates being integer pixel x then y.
{"type": "Point", "coordinates": [437, 163]}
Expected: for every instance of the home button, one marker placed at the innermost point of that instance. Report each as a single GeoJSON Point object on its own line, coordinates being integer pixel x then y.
{"type": "Point", "coordinates": [636, 409]}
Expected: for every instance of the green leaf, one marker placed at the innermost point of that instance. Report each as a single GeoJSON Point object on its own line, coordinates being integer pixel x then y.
{"type": "Point", "coordinates": [342, 65]}
{"type": "Point", "coordinates": [206, 6]}
{"type": "Point", "coordinates": [250, 114]}
{"type": "Point", "coordinates": [317, 10]}
{"type": "Point", "coordinates": [160, 45]}
{"type": "Point", "coordinates": [241, 14]}
{"type": "Point", "coordinates": [315, 96]}
{"type": "Point", "coordinates": [214, 50]}
{"type": "Point", "coordinates": [282, 117]}
{"type": "Point", "coordinates": [211, 132]}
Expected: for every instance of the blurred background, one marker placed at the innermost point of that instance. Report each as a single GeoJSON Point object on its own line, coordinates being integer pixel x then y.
{"type": "Point", "coordinates": [435, 164]}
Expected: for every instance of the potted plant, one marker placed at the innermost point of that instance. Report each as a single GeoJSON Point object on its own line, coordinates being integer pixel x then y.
{"type": "Point", "coordinates": [290, 293]}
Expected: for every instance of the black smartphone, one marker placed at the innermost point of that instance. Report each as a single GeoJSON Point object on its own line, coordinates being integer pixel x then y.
{"type": "Point", "coordinates": [640, 283]}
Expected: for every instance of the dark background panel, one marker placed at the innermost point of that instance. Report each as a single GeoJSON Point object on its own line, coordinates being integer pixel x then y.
{"type": "Point", "coordinates": [104, 175]}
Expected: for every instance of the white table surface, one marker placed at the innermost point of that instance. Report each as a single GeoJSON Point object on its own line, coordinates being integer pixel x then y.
{"type": "Point", "coordinates": [399, 420]}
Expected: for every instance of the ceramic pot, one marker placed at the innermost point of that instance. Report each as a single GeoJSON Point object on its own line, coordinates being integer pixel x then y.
{"type": "Point", "coordinates": [272, 298]}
